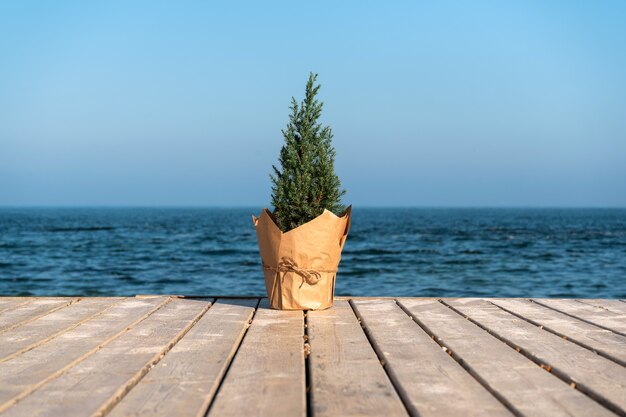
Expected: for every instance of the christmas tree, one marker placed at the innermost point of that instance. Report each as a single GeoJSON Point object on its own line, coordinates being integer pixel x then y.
{"type": "Point", "coordinates": [306, 182]}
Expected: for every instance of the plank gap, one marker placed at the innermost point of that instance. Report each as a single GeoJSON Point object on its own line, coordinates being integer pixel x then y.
{"type": "Point", "coordinates": [461, 362]}
{"type": "Point", "coordinates": [613, 306]}
{"type": "Point", "coordinates": [404, 399]}
{"type": "Point", "coordinates": [562, 335]}
{"type": "Point", "coordinates": [547, 367]}
{"type": "Point", "coordinates": [143, 371]}
{"type": "Point", "coordinates": [19, 304]}
{"type": "Point", "coordinates": [59, 333]}
{"type": "Point", "coordinates": [307, 367]}
{"type": "Point", "coordinates": [219, 387]}
{"type": "Point", "coordinates": [45, 313]}
{"type": "Point", "coordinates": [32, 388]}
{"type": "Point", "coordinates": [578, 317]}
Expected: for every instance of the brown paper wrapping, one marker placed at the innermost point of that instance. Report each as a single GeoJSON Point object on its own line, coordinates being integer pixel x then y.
{"type": "Point", "coordinates": [300, 266]}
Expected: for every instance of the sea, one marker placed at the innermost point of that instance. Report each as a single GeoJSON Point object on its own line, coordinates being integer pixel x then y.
{"type": "Point", "coordinates": [417, 252]}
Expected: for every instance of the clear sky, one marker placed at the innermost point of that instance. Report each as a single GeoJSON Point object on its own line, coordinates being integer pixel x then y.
{"type": "Point", "coordinates": [473, 103]}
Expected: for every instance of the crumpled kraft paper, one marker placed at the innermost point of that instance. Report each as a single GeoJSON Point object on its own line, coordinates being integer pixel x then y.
{"type": "Point", "coordinates": [300, 266]}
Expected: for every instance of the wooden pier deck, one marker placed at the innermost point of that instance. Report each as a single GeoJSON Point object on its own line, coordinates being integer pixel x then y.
{"type": "Point", "coordinates": [173, 356]}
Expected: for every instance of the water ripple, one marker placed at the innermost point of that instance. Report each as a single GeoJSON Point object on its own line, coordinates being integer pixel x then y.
{"type": "Point", "coordinates": [389, 252]}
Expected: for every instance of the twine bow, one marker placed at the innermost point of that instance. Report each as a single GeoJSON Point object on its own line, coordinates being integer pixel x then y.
{"type": "Point", "coordinates": [310, 276]}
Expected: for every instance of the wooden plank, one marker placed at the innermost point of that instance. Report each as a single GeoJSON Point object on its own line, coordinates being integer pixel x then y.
{"type": "Point", "coordinates": [184, 382]}
{"type": "Point", "coordinates": [616, 306]}
{"type": "Point", "coordinates": [602, 341]}
{"type": "Point", "coordinates": [36, 332]}
{"type": "Point", "coordinates": [25, 373]}
{"type": "Point", "coordinates": [596, 376]}
{"type": "Point", "coordinates": [267, 376]}
{"type": "Point", "coordinates": [430, 382]}
{"type": "Point", "coordinates": [31, 311]}
{"type": "Point", "coordinates": [9, 303]}
{"type": "Point", "coordinates": [519, 382]}
{"type": "Point", "coordinates": [343, 365]}
{"type": "Point", "coordinates": [595, 315]}
{"type": "Point", "coordinates": [95, 384]}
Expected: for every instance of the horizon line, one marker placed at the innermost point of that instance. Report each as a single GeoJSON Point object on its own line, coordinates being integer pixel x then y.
{"type": "Point", "coordinates": [255, 206]}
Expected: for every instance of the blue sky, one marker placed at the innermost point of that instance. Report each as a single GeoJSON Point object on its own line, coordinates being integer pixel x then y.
{"type": "Point", "coordinates": [432, 103]}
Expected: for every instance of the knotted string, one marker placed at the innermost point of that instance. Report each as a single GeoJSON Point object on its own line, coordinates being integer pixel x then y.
{"type": "Point", "coordinates": [310, 276]}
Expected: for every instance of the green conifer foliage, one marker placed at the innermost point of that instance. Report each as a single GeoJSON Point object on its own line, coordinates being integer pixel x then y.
{"type": "Point", "coordinates": [306, 182]}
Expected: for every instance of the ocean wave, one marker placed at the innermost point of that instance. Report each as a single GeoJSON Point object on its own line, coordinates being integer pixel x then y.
{"type": "Point", "coordinates": [81, 229]}
{"type": "Point", "coordinates": [404, 252]}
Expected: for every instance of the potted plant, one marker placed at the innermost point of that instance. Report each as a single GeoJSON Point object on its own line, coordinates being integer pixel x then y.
{"type": "Point", "coordinates": [301, 240]}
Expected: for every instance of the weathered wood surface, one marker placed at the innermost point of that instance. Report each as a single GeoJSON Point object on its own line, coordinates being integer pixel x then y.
{"type": "Point", "coordinates": [30, 335]}
{"type": "Point", "coordinates": [616, 306]}
{"type": "Point", "coordinates": [344, 365]}
{"type": "Point", "coordinates": [22, 375]}
{"type": "Point", "coordinates": [602, 379]}
{"type": "Point", "coordinates": [92, 386]}
{"type": "Point", "coordinates": [185, 381]}
{"type": "Point", "coordinates": [522, 384]}
{"type": "Point", "coordinates": [598, 316]}
{"type": "Point", "coordinates": [267, 376]}
{"type": "Point", "coordinates": [9, 303]}
{"type": "Point", "coordinates": [30, 311]}
{"type": "Point", "coordinates": [162, 356]}
{"type": "Point", "coordinates": [429, 380]}
{"type": "Point", "coordinates": [605, 342]}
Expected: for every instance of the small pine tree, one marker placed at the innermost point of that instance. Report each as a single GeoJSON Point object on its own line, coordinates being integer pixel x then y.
{"type": "Point", "coordinates": [307, 183]}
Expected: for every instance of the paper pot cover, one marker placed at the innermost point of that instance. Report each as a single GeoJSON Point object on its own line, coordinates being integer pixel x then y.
{"type": "Point", "coordinates": [300, 266]}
